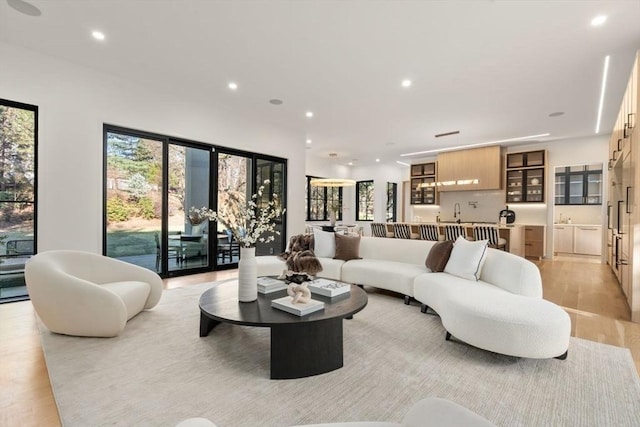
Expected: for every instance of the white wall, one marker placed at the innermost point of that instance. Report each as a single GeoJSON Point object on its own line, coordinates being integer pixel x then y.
{"type": "Point", "coordinates": [74, 102]}
{"type": "Point", "coordinates": [380, 173]}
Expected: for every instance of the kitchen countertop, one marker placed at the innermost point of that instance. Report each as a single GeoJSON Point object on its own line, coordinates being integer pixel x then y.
{"type": "Point", "coordinates": [577, 225]}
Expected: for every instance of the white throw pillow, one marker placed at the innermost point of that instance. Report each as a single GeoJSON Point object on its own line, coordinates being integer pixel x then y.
{"type": "Point", "coordinates": [324, 243]}
{"type": "Point", "coordinates": [467, 258]}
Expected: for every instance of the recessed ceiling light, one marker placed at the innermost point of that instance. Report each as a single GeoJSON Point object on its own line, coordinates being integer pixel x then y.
{"type": "Point", "coordinates": [377, 160]}
{"type": "Point", "coordinates": [350, 163]}
{"type": "Point", "coordinates": [233, 85]}
{"type": "Point", "coordinates": [309, 114]}
{"type": "Point", "coordinates": [406, 83]}
{"type": "Point", "coordinates": [556, 114]}
{"type": "Point", "coordinates": [24, 7]}
{"type": "Point", "coordinates": [598, 20]}
{"type": "Point", "coordinates": [275, 101]}
{"type": "Point", "coordinates": [98, 35]}
{"type": "Point", "coordinates": [308, 141]}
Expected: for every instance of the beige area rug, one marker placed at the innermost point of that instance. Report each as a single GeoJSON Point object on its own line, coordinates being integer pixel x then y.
{"type": "Point", "coordinates": [159, 372]}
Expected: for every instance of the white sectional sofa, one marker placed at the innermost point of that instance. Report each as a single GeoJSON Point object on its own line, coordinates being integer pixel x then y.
{"type": "Point", "coordinates": [502, 312]}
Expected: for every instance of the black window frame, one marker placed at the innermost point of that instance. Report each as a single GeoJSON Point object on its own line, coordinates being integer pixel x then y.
{"type": "Point", "coordinates": [34, 201]}
{"type": "Point", "coordinates": [392, 202]}
{"type": "Point", "coordinates": [567, 174]}
{"type": "Point", "coordinates": [214, 150]}
{"type": "Point", "coordinates": [368, 203]}
{"type": "Point", "coordinates": [324, 199]}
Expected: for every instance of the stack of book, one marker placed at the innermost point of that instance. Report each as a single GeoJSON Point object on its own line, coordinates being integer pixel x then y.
{"type": "Point", "coordinates": [328, 288]}
{"type": "Point", "coordinates": [300, 309]}
{"type": "Point", "coordinates": [267, 285]}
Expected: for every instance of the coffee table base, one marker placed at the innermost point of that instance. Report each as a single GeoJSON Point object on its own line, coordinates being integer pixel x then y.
{"type": "Point", "coordinates": [304, 349]}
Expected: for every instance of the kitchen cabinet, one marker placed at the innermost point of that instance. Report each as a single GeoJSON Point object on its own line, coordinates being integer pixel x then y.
{"type": "Point", "coordinates": [534, 241]}
{"type": "Point", "coordinates": [525, 177]}
{"type": "Point", "coordinates": [587, 239]}
{"type": "Point", "coordinates": [577, 239]}
{"type": "Point", "coordinates": [473, 169]}
{"type": "Point", "coordinates": [563, 238]}
{"type": "Point", "coordinates": [423, 184]}
{"type": "Point", "coordinates": [624, 191]}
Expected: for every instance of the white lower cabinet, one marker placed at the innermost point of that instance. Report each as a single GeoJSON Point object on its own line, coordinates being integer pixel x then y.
{"type": "Point", "coordinates": [563, 238]}
{"type": "Point", "coordinates": [577, 239]}
{"type": "Point", "coordinates": [588, 239]}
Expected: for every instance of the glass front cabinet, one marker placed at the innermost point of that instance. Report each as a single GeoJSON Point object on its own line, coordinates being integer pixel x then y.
{"type": "Point", "coordinates": [423, 184]}
{"type": "Point", "coordinates": [525, 177]}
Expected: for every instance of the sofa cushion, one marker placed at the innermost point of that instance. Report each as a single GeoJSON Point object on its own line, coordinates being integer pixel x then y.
{"type": "Point", "coordinates": [324, 243]}
{"type": "Point", "coordinates": [331, 268]}
{"type": "Point", "coordinates": [133, 293]}
{"type": "Point", "coordinates": [400, 250]}
{"type": "Point", "coordinates": [439, 256]}
{"type": "Point", "coordinates": [347, 247]}
{"type": "Point", "coordinates": [392, 275]}
{"type": "Point", "coordinates": [467, 258]}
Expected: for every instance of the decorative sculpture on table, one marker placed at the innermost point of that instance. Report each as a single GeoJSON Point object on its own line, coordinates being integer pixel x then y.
{"type": "Point", "coordinates": [299, 293]}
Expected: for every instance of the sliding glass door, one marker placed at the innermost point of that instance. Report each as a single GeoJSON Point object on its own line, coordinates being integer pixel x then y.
{"type": "Point", "coordinates": [234, 173]}
{"type": "Point", "coordinates": [187, 191]}
{"type": "Point", "coordinates": [134, 183]}
{"type": "Point", "coordinates": [271, 174]}
{"type": "Point", "coordinates": [155, 186]}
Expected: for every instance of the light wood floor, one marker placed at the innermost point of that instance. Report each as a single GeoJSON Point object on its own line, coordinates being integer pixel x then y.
{"type": "Point", "coordinates": [588, 291]}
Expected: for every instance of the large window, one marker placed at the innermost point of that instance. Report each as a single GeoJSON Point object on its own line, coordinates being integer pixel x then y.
{"type": "Point", "coordinates": [155, 186]}
{"type": "Point", "coordinates": [392, 199]}
{"type": "Point", "coordinates": [364, 201]}
{"type": "Point", "coordinates": [321, 201]}
{"type": "Point", "coordinates": [18, 152]}
{"type": "Point", "coordinates": [579, 185]}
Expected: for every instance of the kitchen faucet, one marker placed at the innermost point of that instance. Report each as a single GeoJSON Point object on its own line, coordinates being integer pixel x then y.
{"type": "Point", "coordinates": [456, 212]}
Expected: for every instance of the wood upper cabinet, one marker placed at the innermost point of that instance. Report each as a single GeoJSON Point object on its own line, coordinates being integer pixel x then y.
{"type": "Point", "coordinates": [457, 168]}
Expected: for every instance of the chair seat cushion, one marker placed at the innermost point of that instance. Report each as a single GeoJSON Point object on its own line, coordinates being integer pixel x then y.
{"type": "Point", "coordinates": [134, 294]}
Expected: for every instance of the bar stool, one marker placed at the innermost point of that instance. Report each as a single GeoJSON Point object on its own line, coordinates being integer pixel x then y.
{"type": "Point", "coordinates": [403, 231]}
{"type": "Point", "coordinates": [451, 231]}
{"type": "Point", "coordinates": [429, 232]}
{"type": "Point", "coordinates": [379, 229]}
{"type": "Point", "coordinates": [490, 233]}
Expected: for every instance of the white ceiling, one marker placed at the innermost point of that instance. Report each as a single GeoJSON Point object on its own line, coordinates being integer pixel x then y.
{"type": "Point", "coordinates": [491, 69]}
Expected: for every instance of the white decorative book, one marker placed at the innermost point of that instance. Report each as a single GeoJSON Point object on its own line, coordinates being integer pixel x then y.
{"type": "Point", "coordinates": [267, 285]}
{"type": "Point", "coordinates": [328, 288]}
{"type": "Point", "coordinates": [300, 309]}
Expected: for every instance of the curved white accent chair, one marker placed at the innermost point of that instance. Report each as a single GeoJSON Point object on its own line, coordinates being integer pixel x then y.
{"type": "Point", "coordinates": [85, 294]}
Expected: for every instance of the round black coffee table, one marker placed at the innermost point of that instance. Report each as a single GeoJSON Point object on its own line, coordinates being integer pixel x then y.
{"type": "Point", "coordinates": [300, 346]}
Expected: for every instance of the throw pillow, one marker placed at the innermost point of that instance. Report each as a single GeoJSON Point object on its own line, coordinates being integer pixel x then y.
{"type": "Point", "coordinates": [467, 258]}
{"type": "Point", "coordinates": [347, 247]}
{"type": "Point", "coordinates": [439, 255]}
{"type": "Point", "coordinates": [324, 243]}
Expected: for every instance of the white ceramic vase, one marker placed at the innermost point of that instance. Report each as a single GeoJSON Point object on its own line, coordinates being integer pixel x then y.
{"type": "Point", "coordinates": [247, 275]}
{"type": "Point", "coordinates": [332, 218]}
